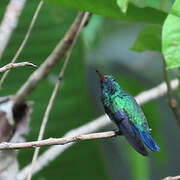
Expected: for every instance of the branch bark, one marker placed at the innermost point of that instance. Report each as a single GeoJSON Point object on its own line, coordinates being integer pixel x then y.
{"type": "Point", "coordinates": [9, 22]}
{"type": "Point", "coordinates": [156, 92]}
{"type": "Point", "coordinates": [172, 178]}
{"type": "Point", "coordinates": [49, 63]}
{"type": "Point", "coordinates": [56, 141]}
{"type": "Point", "coordinates": [15, 65]}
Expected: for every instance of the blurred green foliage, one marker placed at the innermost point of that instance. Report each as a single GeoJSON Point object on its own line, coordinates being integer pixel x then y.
{"type": "Point", "coordinates": [123, 4]}
{"type": "Point", "coordinates": [164, 5]}
{"type": "Point", "coordinates": [148, 39]}
{"type": "Point", "coordinates": [110, 8]}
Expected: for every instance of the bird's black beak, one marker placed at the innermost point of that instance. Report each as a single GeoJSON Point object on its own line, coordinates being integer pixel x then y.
{"type": "Point", "coordinates": [101, 76]}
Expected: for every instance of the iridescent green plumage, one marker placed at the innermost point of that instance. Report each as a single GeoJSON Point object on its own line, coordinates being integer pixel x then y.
{"type": "Point", "coordinates": [124, 111]}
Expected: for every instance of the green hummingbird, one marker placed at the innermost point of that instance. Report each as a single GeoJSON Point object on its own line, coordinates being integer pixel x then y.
{"type": "Point", "coordinates": [124, 111]}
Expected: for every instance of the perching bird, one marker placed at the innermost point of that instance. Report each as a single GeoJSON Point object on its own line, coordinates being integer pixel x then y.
{"type": "Point", "coordinates": [124, 111]}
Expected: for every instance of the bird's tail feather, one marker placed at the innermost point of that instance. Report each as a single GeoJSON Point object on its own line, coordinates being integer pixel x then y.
{"type": "Point", "coordinates": [130, 134]}
{"type": "Point", "coordinates": [148, 141]}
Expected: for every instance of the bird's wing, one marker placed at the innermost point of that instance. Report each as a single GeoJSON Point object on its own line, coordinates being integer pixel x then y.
{"type": "Point", "coordinates": [138, 119]}
{"type": "Point", "coordinates": [147, 140]}
{"type": "Point", "coordinates": [137, 137]}
{"type": "Point", "coordinates": [127, 129]}
{"type": "Point", "coordinates": [144, 136]}
{"type": "Point", "coordinates": [141, 127]}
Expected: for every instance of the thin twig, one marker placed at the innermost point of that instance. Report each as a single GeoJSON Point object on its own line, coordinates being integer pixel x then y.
{"type": "Point", "coordinates": [172, 100]}
{"type": "Point", "coordinates": [9, 66]}
{"type": "Point", "coordinates": [24, 41]}
{"type": "Point", "coordinates": [61, 74]}
{"type": "Point", "coordinates": [56, 141]}
{"type": "Point", "coordinates": [9, 22]}
{"type": "Point", "coordinates": [172, 178]}
{"type": "Point", "coordinates": [156, 92]}
{"type": "Point", "coordinates": [49, 63]}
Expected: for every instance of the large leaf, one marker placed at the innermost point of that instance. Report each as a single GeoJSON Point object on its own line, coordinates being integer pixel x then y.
{"type": "Point", "coordinates": [171, 37]}
{"type": "Point", "coordinates": [110, 8]}
{"type": "Point", "coordinates": [148, 39]}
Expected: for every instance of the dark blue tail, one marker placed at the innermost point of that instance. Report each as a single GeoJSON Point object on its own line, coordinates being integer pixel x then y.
{"type": "Point", "coordinates": [135, 137]}
{"type": "Point", "coordinates": [147, 140]}
{"type": "Point", "coordinates": [127, 129]}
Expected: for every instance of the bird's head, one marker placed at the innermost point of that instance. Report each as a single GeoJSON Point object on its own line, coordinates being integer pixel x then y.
{"type": "Point", "coordinates": [108, 84]}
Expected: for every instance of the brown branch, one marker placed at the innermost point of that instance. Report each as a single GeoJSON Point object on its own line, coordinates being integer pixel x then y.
{"type": "Point", "coordinates": [24, 41]}
{"type": "Point", "coordinates": [172, 101]}
{"type": "Point", "coordinates": [49, 63]}
{"type": "Point", "coordinates": [102, 121]}
{"type": "Point", "coordinates": [172, 178]}
{"type": "Point", "coordinates": [14, 65]}
{"type": "Point", "coordinates": [61, 74]}
{"type": "Point", "coordinates": [156, 92]}
{"type": "Point", "coordinates": [9, 22]}
{"type": "Point", "coordinates": [56, 141]}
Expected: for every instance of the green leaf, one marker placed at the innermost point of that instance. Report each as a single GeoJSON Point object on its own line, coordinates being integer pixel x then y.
{"type": "Point", "coordinates": [171, 37]}
{"type": "Point", "coordinates": [164, 5]}
{"type": "Point", "coordinates": [109, 8]}
{"type": "Point", "coordinates": [148, 39]}
{"type": "Point", "coordinates": [123, 4]}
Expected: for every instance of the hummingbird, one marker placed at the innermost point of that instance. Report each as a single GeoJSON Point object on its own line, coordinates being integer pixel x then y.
{"type": "Point", "coordinates": [128, 116]}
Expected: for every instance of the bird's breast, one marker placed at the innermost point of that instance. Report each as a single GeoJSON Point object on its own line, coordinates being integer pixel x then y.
{"type": "Point", "coordinates": [117, 104]}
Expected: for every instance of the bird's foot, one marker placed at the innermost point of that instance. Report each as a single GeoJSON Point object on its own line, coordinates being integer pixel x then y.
{"type": "Point", "coordinates": [117, 132]}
